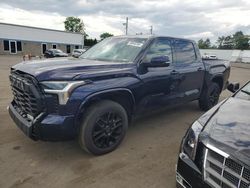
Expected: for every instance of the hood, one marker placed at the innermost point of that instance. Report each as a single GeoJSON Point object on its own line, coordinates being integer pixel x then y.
{"type": "Point", "coordinates": [72, 68]}
{"type": "Point", "coordinates": [229, 129]}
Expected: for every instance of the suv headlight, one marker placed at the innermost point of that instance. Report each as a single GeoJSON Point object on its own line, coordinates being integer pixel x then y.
{"type": "Point", "coordinates": [189, 144]}
{"type": "Point", "coordinates": [61, 88]}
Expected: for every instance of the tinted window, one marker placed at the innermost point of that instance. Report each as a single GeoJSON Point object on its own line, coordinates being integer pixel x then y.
{"type": "Point", "coordinates": [6, 45]}
{"type": "Point", "coordinates": [184, 51]}
{"type": "Point", "coordinates": [160, 47]}
{"type": "Point", "coordinates": [19, 46]}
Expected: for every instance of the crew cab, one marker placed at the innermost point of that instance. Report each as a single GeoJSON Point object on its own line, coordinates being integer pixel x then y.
{"type": "Point", "coordinates": [215, 152]}
{"type": "Point", "coordinates": [96, 96]}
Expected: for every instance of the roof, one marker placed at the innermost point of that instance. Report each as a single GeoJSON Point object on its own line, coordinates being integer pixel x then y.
{"type": "Point", "coordinates": [27, 33]}
{"type": "Point", "coordinates": [151, 36]}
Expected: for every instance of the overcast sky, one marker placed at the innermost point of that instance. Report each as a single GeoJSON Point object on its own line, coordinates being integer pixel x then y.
{"type": "Point", "coordinates": [181, 18]}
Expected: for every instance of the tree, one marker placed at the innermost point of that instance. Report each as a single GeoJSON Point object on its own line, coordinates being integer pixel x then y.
{"type": "Point", "coordinates": [74, 24]}
{"type": "Point", "coordinates": [105, 35]}
{"type": "Point", "coordinates": [220, 41]}
{"type": "Point", "coordinates": [240, 41]}
{"type": "Point", "coordinates": [204, 44]}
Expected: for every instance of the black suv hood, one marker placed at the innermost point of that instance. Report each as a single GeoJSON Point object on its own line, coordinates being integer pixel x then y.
{"type": "Point", "coordinates": [72, 68]}
{"type": "Point", "coordinates": [229, 129]}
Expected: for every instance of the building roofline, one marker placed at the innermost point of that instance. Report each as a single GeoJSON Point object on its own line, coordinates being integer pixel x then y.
{"type": "Point", "coordinates": [40, 28]}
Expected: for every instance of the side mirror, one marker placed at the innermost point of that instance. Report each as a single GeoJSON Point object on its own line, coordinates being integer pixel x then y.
{"type": "Point", "coordinates": [158, 61]}
{"type": "Point", "coordinates": [233, 87]}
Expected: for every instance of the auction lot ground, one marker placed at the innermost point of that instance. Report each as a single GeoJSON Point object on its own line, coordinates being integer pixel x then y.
{"type": "Point", "coordinates": [146, 158]}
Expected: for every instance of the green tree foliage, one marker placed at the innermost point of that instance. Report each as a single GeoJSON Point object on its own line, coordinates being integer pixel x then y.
{"type": "Point", "coordinates": [90, 42]}
{"type": "Point", "coordinates": [204, 44]}
{"type": "Point", "coordinates": [74, 24]}
{"type": "Point", "coordinates": [240, 41]}
{"type": "Point", "coordinates": [105, 35]}
{"type": "Point", "coordinates": [236, 41]}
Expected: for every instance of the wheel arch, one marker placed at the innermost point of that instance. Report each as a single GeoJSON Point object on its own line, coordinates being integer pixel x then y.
{"type": "Point", "coordinates": [218, 80]}
{"type": "Point", "coordinates": [123, 96]}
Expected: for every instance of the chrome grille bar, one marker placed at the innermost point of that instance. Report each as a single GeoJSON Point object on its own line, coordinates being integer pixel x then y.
{"type": "Point", "coordinates": [220, 171]}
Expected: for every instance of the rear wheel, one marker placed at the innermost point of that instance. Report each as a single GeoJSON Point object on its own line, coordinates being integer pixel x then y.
{"type": "Point", "coordinates": [103, 128]}
{"type": "Point", "coordinates": [210, 97]}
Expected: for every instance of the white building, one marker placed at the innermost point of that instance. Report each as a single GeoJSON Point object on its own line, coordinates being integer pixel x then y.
{"type": "Point", "coordinates": [22, 40]}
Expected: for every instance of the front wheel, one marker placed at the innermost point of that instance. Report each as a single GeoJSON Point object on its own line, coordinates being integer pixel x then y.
{"type": "Point", "coordinates": [210, 97]}
{"type": "Point", "coordinates": [103, 128]}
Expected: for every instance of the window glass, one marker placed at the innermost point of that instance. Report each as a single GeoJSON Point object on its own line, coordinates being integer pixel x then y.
{"type": "Point", "coordinates": [77, 47]}
{"type": "Point", "coordinates": [184, 51]}
{"type": "Point", "coordinates": [54, 46]}
{"type": "Point", "coordinates": [115, 49]}
{"type": "Point", "coordinates": [160, 47]}
{"type": "Point", "coordinates": [6, 45]}
{"type": "Point", "coordinates": [19, 46]}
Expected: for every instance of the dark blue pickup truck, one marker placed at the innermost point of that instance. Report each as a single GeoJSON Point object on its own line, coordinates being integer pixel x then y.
{"type": "Point", "coordinates": [95, 97]}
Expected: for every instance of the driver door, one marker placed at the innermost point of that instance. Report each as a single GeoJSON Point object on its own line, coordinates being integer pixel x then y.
{"type": "Point", "coordinates": [156, 88]}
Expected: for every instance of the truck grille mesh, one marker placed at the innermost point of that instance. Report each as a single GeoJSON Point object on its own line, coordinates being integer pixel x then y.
{"type": "Point", "coordinates": [221, 171]}
{"type": "Point", "coordinates": [27, 95]}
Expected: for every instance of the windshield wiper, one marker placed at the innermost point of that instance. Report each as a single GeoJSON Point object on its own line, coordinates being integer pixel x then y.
{"type": "Point", "coordinates": [244, 91]}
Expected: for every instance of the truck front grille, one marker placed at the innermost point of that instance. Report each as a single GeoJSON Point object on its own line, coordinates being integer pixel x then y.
{"type": "Point", "coordinates": [222, 171]}
{"type": "Point", "coordinates": [28, 98]}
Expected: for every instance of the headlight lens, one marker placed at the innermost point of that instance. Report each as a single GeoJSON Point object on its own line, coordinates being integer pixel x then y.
{"type": "Point", "coordinates": [61, 88]}
{"type": "Point", "coordinates": [189, 144]}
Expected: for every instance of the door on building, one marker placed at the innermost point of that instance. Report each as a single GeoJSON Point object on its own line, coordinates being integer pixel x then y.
{"type": "Point", "coordinates": [44, 48]}
{"type": "Point", "coordinates": [13, 47]}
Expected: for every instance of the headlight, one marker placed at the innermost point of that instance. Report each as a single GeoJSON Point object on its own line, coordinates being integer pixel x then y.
{"type": "Point", "coordinates": [61, 88]}
{"type": "Point", "coordinates": [189, 144]}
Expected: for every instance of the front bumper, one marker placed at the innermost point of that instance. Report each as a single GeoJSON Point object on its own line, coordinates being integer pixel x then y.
{"type": "Point", "coordinates": [188, 175]}
{"type": "Point", "coordinates": [47, 127]}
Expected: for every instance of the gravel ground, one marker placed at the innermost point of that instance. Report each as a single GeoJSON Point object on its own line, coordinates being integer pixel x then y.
{"type": "Point", "coordinates": [146, 158]}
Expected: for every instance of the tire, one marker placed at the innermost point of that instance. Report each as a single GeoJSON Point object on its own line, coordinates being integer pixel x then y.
{"type": "Point", "coordinates": [103, 128]}
{"type": "Point", "coordinates": [210, 97]}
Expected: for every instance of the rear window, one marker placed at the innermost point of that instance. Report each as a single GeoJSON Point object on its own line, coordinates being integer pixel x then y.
{"type": "Point", "coordinates": [184, 51]}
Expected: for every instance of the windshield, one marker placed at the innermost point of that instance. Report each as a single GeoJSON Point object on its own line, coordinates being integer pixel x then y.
{"type": "Point", "coordinates": [115, 49]}
{"type": "Point", "coordinates": [244, 93]}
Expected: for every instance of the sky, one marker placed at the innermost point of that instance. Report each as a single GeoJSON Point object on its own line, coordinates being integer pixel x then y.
{"type": "Point", "coordinates": [192, 19]}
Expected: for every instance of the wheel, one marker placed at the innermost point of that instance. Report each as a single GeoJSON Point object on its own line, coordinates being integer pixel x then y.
{"type": "Point", "coordinates": [103, 128]}
{"type": "Point", "coordinates": [210, 97]}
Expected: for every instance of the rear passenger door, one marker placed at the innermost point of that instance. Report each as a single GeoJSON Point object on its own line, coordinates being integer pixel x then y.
{"type": "Point", "coordinates": [189, 68]}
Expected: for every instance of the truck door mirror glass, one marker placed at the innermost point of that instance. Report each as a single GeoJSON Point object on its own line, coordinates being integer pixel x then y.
{"type": "Point", "coordinates": [233, 87]}
{"type": "Point", "coordinates": [158, 61]}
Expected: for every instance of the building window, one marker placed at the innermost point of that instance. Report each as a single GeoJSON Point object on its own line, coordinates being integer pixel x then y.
{"type": "Point", "coordinates": [76, 47]}
{"type": "Point", "coordinates": [54, 46]}
{"type": "Point", "coordinates": [19, 45]}
{"type": "Point", "coordinates": [6, 46]}
{"type": "Point", "coordinates": [68, 49]}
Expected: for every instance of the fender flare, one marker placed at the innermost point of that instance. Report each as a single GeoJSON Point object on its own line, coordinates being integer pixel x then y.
{"type": "Point", "coordinates": [88, 98]}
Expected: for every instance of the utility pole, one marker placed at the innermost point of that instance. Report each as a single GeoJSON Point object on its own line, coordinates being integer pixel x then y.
{"type": "Point", "coordinates": [151, 29]}
{"type": "Point", "coordinates": [126, 26]}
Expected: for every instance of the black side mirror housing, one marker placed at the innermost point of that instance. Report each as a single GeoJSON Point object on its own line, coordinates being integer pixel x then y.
{"type": "Point", "coordinates": [233, 87]}
{"type": "Point", "coordinates": [158, 61]}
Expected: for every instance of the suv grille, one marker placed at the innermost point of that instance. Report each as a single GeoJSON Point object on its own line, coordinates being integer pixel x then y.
{"type": "Point", "coordinates": [221, 171]}
{"type": "Point", "coordinates": [27, 95]}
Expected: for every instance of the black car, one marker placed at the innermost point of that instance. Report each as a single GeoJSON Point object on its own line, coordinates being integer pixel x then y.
{"type": "Point", "coordinates": [54, 53]}
{"type": "Point", "coordinates": [215, 152]}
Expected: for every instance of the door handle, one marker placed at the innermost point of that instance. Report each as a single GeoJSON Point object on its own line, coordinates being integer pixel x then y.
{"type": "Point", "coordinates": [174, 72]}
{"type": "Point", "coordinates": [199, 69]}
